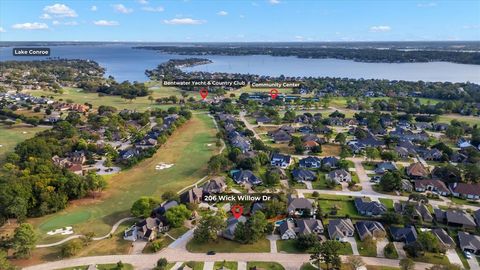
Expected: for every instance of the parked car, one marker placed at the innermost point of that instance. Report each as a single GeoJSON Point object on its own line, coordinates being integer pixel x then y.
{"type": "Point", "coordinates": [211, 252]}
{"type": "Point", "coordinates": [375, 179]}
{"type": "Point", "coordinates": [468, 255]}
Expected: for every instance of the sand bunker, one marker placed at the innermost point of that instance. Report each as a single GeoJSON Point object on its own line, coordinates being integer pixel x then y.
{"type": "Point", "coordinates": [162, 166]}
{"type": "Point", "coordinates": [62, 231]}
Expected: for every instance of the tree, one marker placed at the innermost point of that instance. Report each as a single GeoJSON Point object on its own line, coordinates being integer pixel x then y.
{"type": "Point", "coordinates": [340, 138]}
{"type": "Point", "coordinates": [429, 242]}
{"type": "Point", "coordinates": [4, 263]}
{"type": "Point", "coordinates": [272, 178]}
{"type": "Point", "coordinates": [24, 240]}
{"type": "Point", "coordinates": [72, 247]}
{"type": "Point", "coordinates": [177, 215]}
{"type": "Point", "coordinates": [407, 264]}
{"type": "Point", "coordinates": [372, 153]}
{"type": "Point", "coordinates": [253, 229]}
{"type": "Point", "coordinates": [208, 229]}
{"type": "Point", "coordinates": [391, 181]}
{"type": "Point", "coordinates": [170, 196]}
{"type": "Point", "coordinates": [217, 164]}
{"type": "Point", "coordinates": [327, 252]}
{"type": "Point", "coordinates": [144, 206]}
{"type": "Point", "coordinates": [161, 264]}
{"type": "Point", "coordinates": [355, 261]}
{"type": "Point", "coordinates": [306, 241]}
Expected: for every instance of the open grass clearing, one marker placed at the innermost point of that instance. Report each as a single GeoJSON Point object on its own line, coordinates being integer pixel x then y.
{"type": "Point", "coordinates": [191, 140]}
{"type": "Point", "coordinates": [229, 265]}
{"type": "Point", "coordinates": [11, 136]}
{"type": "Point", "coordinates": [265, 265]}
{"type": "Point", "coordinates": [228, 246]}
{"type": "Point", "coordinates": [387, 202]}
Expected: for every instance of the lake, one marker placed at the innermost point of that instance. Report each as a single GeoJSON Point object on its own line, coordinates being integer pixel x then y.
{"type": "Point", "coordinates": [125, 63]}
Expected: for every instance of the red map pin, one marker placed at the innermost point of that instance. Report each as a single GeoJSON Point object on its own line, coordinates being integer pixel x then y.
{"type": "Point", "coordinates": [237, 210]}
{"type": "Point", "coordinates": [274, 93]}
{"type": "Point", "coordinates": [203, 93]}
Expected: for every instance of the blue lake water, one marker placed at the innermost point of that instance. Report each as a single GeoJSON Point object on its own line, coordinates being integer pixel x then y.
{"type": "Point", "coordinates": [125, 63]}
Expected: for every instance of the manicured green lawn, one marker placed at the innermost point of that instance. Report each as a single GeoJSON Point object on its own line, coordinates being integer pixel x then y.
{"type": "Point", "coordinates": [177, 232]}
{"type": "Point", "coordinates": [343, 207]}
{"type": "Point", "coordinates": [388, 203]}
{"type": "Point", "coordinates": [366, 250]}
{"type": "Point", "coordinates": [432, 258]}
{"type": "Point", "coordinates": [265, 265]}
{"type": "Point", "coordinates": [229, 265]}
{"type": "Point", "coordinates": [228, 246]}
{"type": "Point", "coordinates": [346, 249]}
{"type": "Point", "coordinates": [11, 136]}
{"type": "Point", "coordinates": [321, 183]}
{"type": "Point", "coordinates": [126, 266]}
{"type": "Point", "coordinates": [195, 139]}
{"type": "Point", "coordinates": [463, 201]}
{"type": "Point", "coordinates": [288, 246]}
{"type": "Point", "coordinates": [195, 265]}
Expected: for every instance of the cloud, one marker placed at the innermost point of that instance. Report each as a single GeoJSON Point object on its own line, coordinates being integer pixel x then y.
{"type": "Point", "coordinates": [474, 26]}
{"type": "Point", "coordinates": [60, 10]}
{"type": "Point", "coordinates": [122, 9]}
{"type": "Point", "coordinates": [45, 16]}
{"type": "Point", "coordinates": [380, 28]}
{"type": "Point", "coordinates": [93, 8]}
{"type": "Point", "coordinates": [2, 30]}
{"type": "Point", "coordinates": [71, 23]}
{"type": "Point", "coordinates": [427, 5]}
{"type": "Point", "coordinates": [274, 2]}
{"type": "Point", "coordinates": [30, 26]}
{"type": "Point", "coordinates": [184, 21]}
{"type": "Point", "coordinates": [222, 13]}
{"type": "Point", "coordinates": [143, 2]}
{"type": "Point", "coordinates": [153, 9]}
{"type": "Point", "coordinates": [106, 23]}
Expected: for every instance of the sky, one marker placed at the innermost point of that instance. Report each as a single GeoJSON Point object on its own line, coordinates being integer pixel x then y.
{"type": "Point", "coordinates": [238, 20]}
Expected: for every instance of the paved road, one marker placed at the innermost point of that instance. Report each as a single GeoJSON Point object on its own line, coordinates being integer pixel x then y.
{"type": "Point", "coordinates": [147, 261]}
{"type": "Point", "coordinates": [249, 126]}
{"type": "Point", "coordinates": [114, 228]}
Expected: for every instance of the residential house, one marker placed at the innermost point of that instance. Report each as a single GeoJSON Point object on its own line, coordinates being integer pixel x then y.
{"type": "Point", "coordinates": [290, 229]}
{"type": "Point", "coordinates": [287, 230]}
{"type": "Point", "coordinates": [445, 240]}
{"type": "Point", "coordinates": [339, 176]}
{"type": "Point", "coordinates": [402, 152]}
{"type": "Point", "coordinates": [305, 130]}
{"type": "Point", "coordinates": [280, 160]}
{"type": "Point", "coordinates": [339, 229]}
{"type": "Point", "coordinates": [367, 207]}
{"type": "Point", "coordinates": [232, 223]}
{"type": "Point", "coordinates": [469, 242]}
{"type": "Point", "coordinates": [310, 162]}
{"type": "Point", "coordinates": [369, 228]}
{"type": "Point", "coordinates": [417, 171]}
{"type": "Point", "coordinates": [455, 218]}
{"type": "Point", "coordinates": [385, 166]}
{"type": "Point", "coordinates": [407, 234]}
{"type": "Point", "coordinates": [465, 190]}
{"type": "Point", "coordinates": [303, 175]}
{"type": "Point", "coordinates": [416, 210]}
{"type": "Point", "coordinates": [431, 154]}
{"type": "Point", "coordinates": [245, 177]}
{"type": "Point", "coordinates": [193, 195]}
{"type": "Point", "coordinates": [263, 120]}
{"type": "Point", "coordinates": [309, 145]}
{"type": "Point", "coordinates": [330, 163]}
{"type": "Point", "coordinates": [280, 136]}
{"type": "Point", "coordinates": [215, 185]}
{"type": "Point", "coordinates": [300, 207]}
{"type": "Point", "coordinates": [433, 185]}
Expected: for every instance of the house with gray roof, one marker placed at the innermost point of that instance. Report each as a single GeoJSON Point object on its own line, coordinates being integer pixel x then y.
{"type": "Point", "coordinates": [280, 160]}
{"type": "Point", "coordinates": [407, 234]}
{"type": "Point", "coordinates": [245, 177]}
{"type": "Point", "coordinates": [215, 185]}
{"type": "Point", "coordinates": [193, 195]}
{"type": "Point", "coordinates": [339, 176]}
{"type": "Point", "coordinates": [469, 242]}
{"type": "Point", "coordinates": [291, 229]}
{"type": "Point", "coordinates": [339, 229]}
{"type": "Point", "coordinates": [445, 240]}
{"type": "Point", "coordinates": [287, 230]}
{"type": "Point", "coordinates": [303, 175]}
{"type": "Point", "coordinates": [433, 185]}
{"type": "Point", "coordinates": [330, 162]}
{"type": "Point", "coordinates": [456, 218]}
{"type": "Point", "coordinates": [300, 207]}
{"type": "Point", "coordinates": [310, 162]}
{"type": "Point", "coordinates": [386, 166]}
{"type": "Point", "coordinates": [416, 210]}
{"type": "Point", "coordinates": [232, 223]}
{"type": "Point", "coordinates": [369, 228]}
{"type": "Point", "coordinates": [367, 207]}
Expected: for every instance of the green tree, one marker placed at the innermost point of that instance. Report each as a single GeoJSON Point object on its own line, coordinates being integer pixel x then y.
{"type": "Point", "coordinates": [161, 264]}
{"type": "Point", "coordinates": [208, 229]}
{"type": "Point", "coordinates": [407, 264]}
{"type": "Point", "coordinates": [272, 178]}
{"type": "Point", "coordinates": [177, 215]}
{"type": "Point", "coordinates": [327, 252]}
{"type": "Point", "coordinates": [144, 206]}
{"type": "Point", "coordinates": [391, 181]}
{"type": "Point", "coordinates": [170, 195]}
{"type": "Point", "coordinates": [72, 247]}
{"type": "Point", "coordinates": [4, 263]}
{"type": "Point", "coordinates": [218, 164]}
{"type": "Point", "coordinates": [429, 242]}
{"type": "Point", "coordinates": [340, 138]}
{"type": "Point", "coordinates": [24, 240]}
{"type": "Point", "coordinates": [306, 241]}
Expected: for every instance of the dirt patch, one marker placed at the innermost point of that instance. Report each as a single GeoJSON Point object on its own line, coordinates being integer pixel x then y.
{"type": "Point", "coordinates": [331, 149]}
{"type": "Point", "coordinates": [8, 228]}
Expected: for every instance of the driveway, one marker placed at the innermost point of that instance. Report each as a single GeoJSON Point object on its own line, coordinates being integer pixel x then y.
{"type": "Point", "coordinates": [242, 266]}
{"type": "Point", "coordinates": [400, 251]}
{"type": "Point", "coordinates": [208, 265]}
{"type": "Point", "coordinates": [453, 257]}
{"type": "Point", "coordinates": [381, 246]}
{"type": "Point", "coordinates": [308, 184]}
{"type": "Point", "coordinates": [353, 243]}
{"type": "Point", "coordinates": [273, 242]}
{"type": "Point", "coordinates": [473, 263]}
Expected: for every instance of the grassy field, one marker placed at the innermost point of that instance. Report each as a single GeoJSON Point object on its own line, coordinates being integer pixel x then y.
{"type": "Point", "coordinates": [265, 265]}
{"type": "Point", "coordinates": [11, 136]}
{"type": "Point", "coordinates": [432, 258]}
{"type": "Point", "coordinates": [366, 250]}
{"type": "Point", "coordinates": [140, 103]}
{"type": "Point", "coordinates": [195, 139]}
{"type": "Point", "coordinates": [112, 266]}
{"type": "Point", "coordinates": [344, 207]}
{"type": "Point", "coordinates": [227, 246]}
{"type": "Point", "coordinates": [446, 118]}
{"type": "Point", "coordinates": [288, 246]}
{"type": "Point", "coordinates": [229, 265]}
{"type": "Point", "coordinates": [388, 203]}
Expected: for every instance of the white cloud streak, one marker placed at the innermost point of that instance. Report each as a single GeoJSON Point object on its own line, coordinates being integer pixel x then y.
{"type": "Point", "coordinates": [184, 21]}
{"type": "Point", "coordinates": [30, 26]}
{"type": "Point", "coordinates": [122, 9]}
{"type": "Point", "coordinates": [106, 23]}
{"type": "Point", "coordinates": [380, 28]}
{"type": "Point", "coordinates": [59, 11]}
